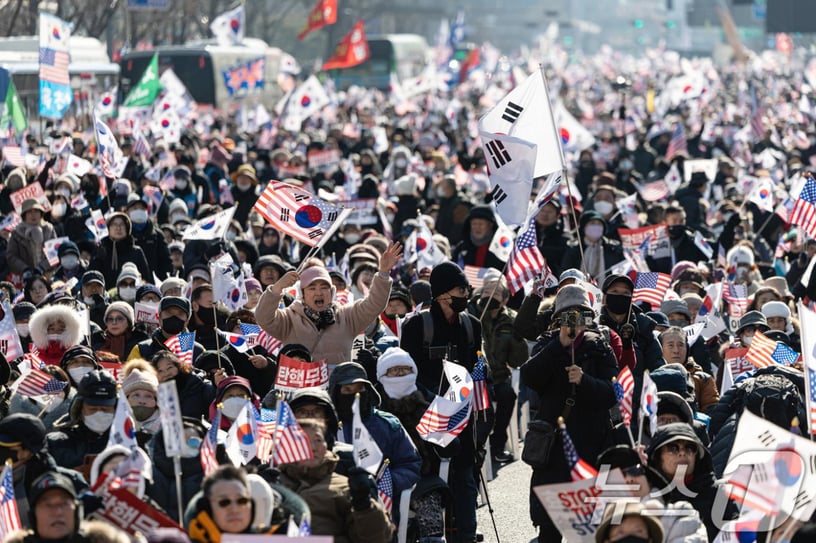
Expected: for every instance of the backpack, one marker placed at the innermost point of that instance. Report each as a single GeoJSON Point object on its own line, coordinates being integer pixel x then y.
{"type": "Point", "coordinates": [428, 334]}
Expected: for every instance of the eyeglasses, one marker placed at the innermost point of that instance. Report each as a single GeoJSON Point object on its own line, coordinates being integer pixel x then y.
{"type": "Point", "coordinates": [675, 448]}
{"type": "Point", "coordinates": [633, 471]}
{"type": "Point", "coordinates": [223, 503]}
{"type": "Point", "coordinates": [112, 320]}
{"type": "Point", "coordinates": [310, 413]}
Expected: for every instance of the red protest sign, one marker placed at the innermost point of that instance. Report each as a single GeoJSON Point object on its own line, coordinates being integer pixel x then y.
{"type": "Point", "coordinates": [124, 510]}
{"type": "Point", "coordinates": [294, 374]}
{"type": "Point", "coordinates": [735, 358]}
{"type": "Point", "coordinates": [35, 191]}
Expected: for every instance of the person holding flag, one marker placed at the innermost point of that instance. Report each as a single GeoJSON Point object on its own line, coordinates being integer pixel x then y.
{"type": "Point", "coordinates": [477, 237]}
{"type": "Point", "coordinates": [572, 373]}
{"type": "Point", "coordinates": [315, 321]}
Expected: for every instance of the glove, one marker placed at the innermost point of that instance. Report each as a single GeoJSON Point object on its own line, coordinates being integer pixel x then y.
{"type": "Point", "coordinates": [479, 457]}
{"type": "Point", "coordinates": [361, 484]}
{"type": "Point", "coordinates": [627, 333]}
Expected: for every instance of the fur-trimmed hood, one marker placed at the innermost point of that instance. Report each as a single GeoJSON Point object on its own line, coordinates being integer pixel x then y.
{"type": "Point", "coordinates": [38, 325]}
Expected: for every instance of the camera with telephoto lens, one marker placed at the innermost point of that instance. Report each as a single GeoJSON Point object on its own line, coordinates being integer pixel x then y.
{"type": "Point", "coordinates": [575, 318]}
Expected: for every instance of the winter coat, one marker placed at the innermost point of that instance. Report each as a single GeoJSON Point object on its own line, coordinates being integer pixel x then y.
{"type": "Point", "coordinates": [75, 447]}
{"type": "Point", "coordinates": [612, 254]}
{"type": "Point", "coordinates": [588, 423]}
{"type": "Point", "coordinates": [51, 351]}
{"type": "Point", "coordinates": [163, 489]}
{"type": "Point", "coordinates": [451, 216]}
{"type": "Point", "coordinates": [705, 387]}
{"type": "Point", "coordinates": [682, 524]}
{"type": "Point", "coordinates": [334, 342]}
{"type": "Point", "coordinates": [120, 346]}
{"type": "Point", "coordinates": [147, 348]}
{"type": "Point", "coordinates": [152, 243]}
{"type": "Point", "coordinates": [244, 201]}
{"type": "Point", "coordinates": [503, 347]}
{"type": "Point", "coordinates": [112, 255]}
{"type": "Point", "coordinates": [262, 379]}
{"type": "Point", "coordinates": [195, 394]}
{"type": "Point", "coordinates": [467, 254]}
{"type": "Point", "coordinates": [702, 482]}
{"type": "Point", "coordinates": [552, 242]}
{"type": "Point", "coordinates": [38, 464]}
{"type": "Point", "coordinates": [20, 403]}
{"type": "Point", "coordinates": [329, 499]}
{"type": "Point", "coordinates": [25, 246]}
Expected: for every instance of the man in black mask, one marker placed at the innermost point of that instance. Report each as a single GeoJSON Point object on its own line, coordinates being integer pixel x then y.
{"type": "Point", "coordinates": [634, 328]}
{"type": "Point", "coordinates": [206, 319]}
{"type": "Point", "coordinates": [346, 381]}
{"type": "Point", "coordinates": [682, 238]}
{"type": "Point", "coordinates": [174, 314]}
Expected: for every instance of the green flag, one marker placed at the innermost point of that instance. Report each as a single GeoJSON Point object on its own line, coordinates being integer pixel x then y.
{"type": "Point", "coordinates": [148, 88]}
{"type": "Point", "coordinates": [11, 110]}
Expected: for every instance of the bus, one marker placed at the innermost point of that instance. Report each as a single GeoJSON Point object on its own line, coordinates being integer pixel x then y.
{"type": "Point", "coordinates": [91, 70]}
{"type": "Point", "coordinates": [404, 55]}
{"type": "Point", "coordinates": [215, 75]}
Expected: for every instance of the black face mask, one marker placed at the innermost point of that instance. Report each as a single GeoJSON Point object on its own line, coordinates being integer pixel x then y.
{"type": "Point", "coordinates": [676, 231]}
{"type": "Point", "coordinates": [458, 303]}
{"type": "Point", "coordinates": [344, 402]}
{"type": "Point", "coordinates": [206, 315]}
{"type": "Point", "coordinates": [632, 539]}
{"type": "Point", "coordinates": [173, 325]}
{"type": "Point", "coordinates": [618, 303]}
{"type": "Point", "coordinates": [489, 303]}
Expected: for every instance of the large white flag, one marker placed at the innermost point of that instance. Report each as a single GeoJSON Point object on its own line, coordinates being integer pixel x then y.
{"type": "Point", "coordinates": [574, 137]}
{"type": "Point", "coordinates": [241, 444]}
{"type": "Point", "coordinates": [367, 453]}
{"type": "Point", "coordinates": [111, 159]}
{"type": "Point", "coordinates": [461, 382]}
{"type": "Point", "coordinates": [502, 243]}
{"type": "Point", "coordinates": [122, 431]}
{"type": "Point", "coordinates": [421, 248]}
{"type": "Point", "coordinates": [525, 113]}
{"type": "Point", "coordinates": [228, 288]}
{"type": "Point", "coordinates": [306, 100]}
{"type": "Point", "coordinates": [212, 227]}
{"type": "Point", "coordinates": [228, 28]}
{"type": "Point", "coordinates": [510, 166]}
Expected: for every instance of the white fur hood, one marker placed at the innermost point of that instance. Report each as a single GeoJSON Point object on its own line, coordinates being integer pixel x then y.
{"type": "Point", "coordinates": [38, 325]}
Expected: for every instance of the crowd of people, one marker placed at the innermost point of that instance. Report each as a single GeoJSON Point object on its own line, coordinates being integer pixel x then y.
{"type": "Point", "coordinates": [385, 321]}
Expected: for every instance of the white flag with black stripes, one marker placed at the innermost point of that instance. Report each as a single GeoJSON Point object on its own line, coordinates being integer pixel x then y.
{"type": "Point", "coordinates": [510, 166]}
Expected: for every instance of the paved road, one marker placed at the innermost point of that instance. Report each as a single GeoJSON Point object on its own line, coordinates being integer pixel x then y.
{"type": "Point", "coordinates": [508, 494]}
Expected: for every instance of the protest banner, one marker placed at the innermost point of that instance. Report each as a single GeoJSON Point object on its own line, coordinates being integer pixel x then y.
{"type": "Point", "coordinates": [295, 374]}
{"type": "Point", "coordinates": [35, 191]}
{"type": "Point", "coordinates": [658, 235]}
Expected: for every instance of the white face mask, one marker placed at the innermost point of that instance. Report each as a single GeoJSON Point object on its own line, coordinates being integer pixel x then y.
{"type": "Point", "coordinates": [64, 192]}
{"type": "Point", "coordinates": [69, 262]}
{"type": "Point", "coordinates": [128, 294]}
{"type": "Point", "coordinates": [98, 422]}
{"type": "Point", "coordinates": [78, 373]}
{"type": "Point", "coordinates": [232, 407]}
{"type": "Point", "coordinates": [399, 387]}
{"type": "Point", "coordinates": [55, 337]}
{"type": "Point", "coordinates": [138, 216]}
{"type": "Point", "coordinates": [22, 330]}
{"type": "Point", "coordinates": [243, 187]}
{"type": "Point", "coordinates": [440, 192]}
{"type": "Point", "coordinates": [352, 238]}
{"type": "Point", "coordinates": [603, 207]}
{"type": "Point", "coordinates": [175, 217]}
{"type": "Point", "coordinates": [58, 210]}
{"type": "Point", "coordinates": [593, 232]}
{"type": "Point", "coordinates": [181, 184]}
{"type": "Point", "coordinates": [746, 340]}
{"type": "Point", "coordinates": [400, 163]}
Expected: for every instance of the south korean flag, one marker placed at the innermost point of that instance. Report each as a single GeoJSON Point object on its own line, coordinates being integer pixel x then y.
{"type": "Point", "coordinates": [510, 166]}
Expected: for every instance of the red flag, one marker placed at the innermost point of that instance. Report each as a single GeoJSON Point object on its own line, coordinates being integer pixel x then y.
{"type": "Point", "coordinates": [351, 51]}
{"type": "Point", "coordinates": [323, 14]}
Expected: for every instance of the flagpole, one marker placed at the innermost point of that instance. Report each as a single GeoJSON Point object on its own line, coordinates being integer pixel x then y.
{"type": "Point", "coordinates": [564, 170]}
{"type": "Point", "coordinates": [808, 400]}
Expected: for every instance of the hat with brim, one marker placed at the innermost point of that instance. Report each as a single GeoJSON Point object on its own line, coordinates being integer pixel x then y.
{"type": "Point", "coordinates": [31, 204]}
{"type": "Point", "coordinates": [753, 318]}
{"type": "Point", "coordinates": [672, 402]}
{"type": "Point", "coordinates": [247, 170]}
{"type": "Point", "coordinates": [630, 509]}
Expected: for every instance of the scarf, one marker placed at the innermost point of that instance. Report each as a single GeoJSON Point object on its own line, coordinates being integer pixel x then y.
{"type": "Point", "coordinates": [321, 318]}
{"type": "Point", "coordinates": [116, 345]}
{"type": "Point", "coordinates": [594, 258]}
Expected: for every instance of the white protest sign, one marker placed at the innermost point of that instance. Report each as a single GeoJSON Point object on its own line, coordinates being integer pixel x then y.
{"type": "Point", "coordinates": [35, 191]}
{"type": "Point", "coordinates": [147, 313]}
{"type": "Point", "coordinates": [170, 415]}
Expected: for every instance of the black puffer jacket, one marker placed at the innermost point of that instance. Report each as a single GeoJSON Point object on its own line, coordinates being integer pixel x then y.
{"type": "Point", "coordinates": [775, 393]}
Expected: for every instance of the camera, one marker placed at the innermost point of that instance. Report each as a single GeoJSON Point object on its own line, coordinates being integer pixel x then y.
{"type": "Point", "coordinates": [576, 318]}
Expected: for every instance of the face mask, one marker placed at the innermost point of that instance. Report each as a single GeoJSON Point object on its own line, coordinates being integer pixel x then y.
{"type": "Point", "coordinates": [400, 163]}
{"type": "Point", "coordinates": [142, 412]}
{"type": "Point", "coordinates": [676, 230]}
{"type": "Point", "coordinates": [128, 294]}
{"type": "Point", "coordinates": [632, 539]}
{"type": "Point", "coordinates": [181, 184]}
{"type": "Point", "coordinates": [58, 210]}
{"type": "Point", "coordinates": [138, 216]}
{"type": "Point", "coordinates": [191, 447]}
{"type": "Point", "coordinates": [95, 299]}
{"type": "Point", "coordinates": [205, 314]}
{"type": "Point", "coordinates": [98, 422]}
{"type": "Point", "coordinates": [22, 330]}
{"type": "Point", "coordinates": [243, 188]}
{"type": "Point", "coordinates": [344, 402]}
{"type": "Point", "coordinates": [55, 338]}
{"type": "Point", "coordinates": [626, 165]}
{"type": "Point", "coordinates": [259, 165]}
{"type": "Point", "coordinates": [352, 238]}
{"type": "Point", "coordinates": [69, 262]}
{"type": "Point", "coordinates": [366, 169]}
{"type": "Point", "coordinates": [603, 207]}
{"type": "Point", "coordinates": [458, 303]}
{"type": "Point", "coordinates": [680, 323]}
{"type": "Point", "coordinates": [78, 373]}
{"type": "Point", "coordinates": [173, 325]}
{"type": "Point", "coordinates": [490, 304]}
{"type": "Point", "coordinates": [231, 235]}
{"type": "Point", "coordinates": [618, 303]}
{"type": "Point", "coordinates": [746, 340]}
{"type": "Point", "coordinates": [399, 387]}
{"type": "Point", "coordinates": [593, 232]}
{"type": "Point", "coordinates": [389, 217]}
{"type": "Point", "coordinates": [175, 217]}
{"type": "Point", "coordinates": [232, 407]}
{"type": "Point", "coordinates": [64, 192]}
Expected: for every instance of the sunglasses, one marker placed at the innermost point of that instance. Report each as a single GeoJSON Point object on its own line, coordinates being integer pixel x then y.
{"type": "Point", "coordinates": [115, 319]}
{"type": "Point", "coordinates": [633, 471]}
{"type": "Point", "coordinates": [223, 503]}
{"type": "Point", "coordinates": [675, 448]}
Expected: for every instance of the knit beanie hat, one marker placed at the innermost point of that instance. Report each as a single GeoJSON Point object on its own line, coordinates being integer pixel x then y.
{"type": "Point", "coordinates": [394, 356]}
{"type": "Point", "coordinates": [446, 276]}
{"type": "Point", "coordinates": [123, 308]}
{"type": "Point", "coordinates": [140, 380]}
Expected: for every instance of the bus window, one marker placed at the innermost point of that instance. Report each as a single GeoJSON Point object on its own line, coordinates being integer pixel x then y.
{"type": "Point", "coordinates": [195, 71]}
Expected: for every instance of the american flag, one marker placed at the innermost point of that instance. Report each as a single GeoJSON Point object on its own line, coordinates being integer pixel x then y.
{"type": "Point", "coordinates": [481, 399]}
{"type": "Point", "coordinates": [650, 287]}
{"type": "Point", "coordinates": [153, 197]}
{"type": "Point", "coordinates": [624, 390]}
{"type": "Point", "coordinates": [766, 352]}
{"type": "Point", "coordinates": [266, 430]}
{"type": "Point", "coordinates": [579, 468]}
{"type": "Point", "coordinates": [756, 487]}
{"type": "Point", "coordinates": [140, 145]}
{"type": "Point", "coordinates": [182, 346]}
{"type": "Point", "coordinates": [207, 453]}
{"type": "Point", "coordinates": [257, 336]}
{"type": "Point", "coordinates": [475, 275]}
{"type": "Point", "coordinates": [804, 209]}
{"type": "Point", "coordinates": [298, 213]}
{"type": "Point", "coordinates": [654, 191]}
{"type": "Point", "coordinates": [40, 383]}
{"type": "Point", "coordinates": [291, 443]}
{"type": "Point", "coordinates": [14, 155]}
{"type": "Point", "coordinates": [10, 222]}
{"type": "Point", "coordinates": [9, 339]}
{"type": "Point", "coordinates": [677, 143]}
{"type": "Point", "coordinates": [808, 322]}
{"type": "Point", "coordinates": [737, 297]}
{"type": "Point", "coordinates": [385, 489]}
{"type": "Point", "coordinates": [525, 261]}
{"type": "Point", "coordinates": [433, 421]}
{"type": "Point", "coordinates": [54, 66]}
{"type": "Point", "coordinates": [9, 514]}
